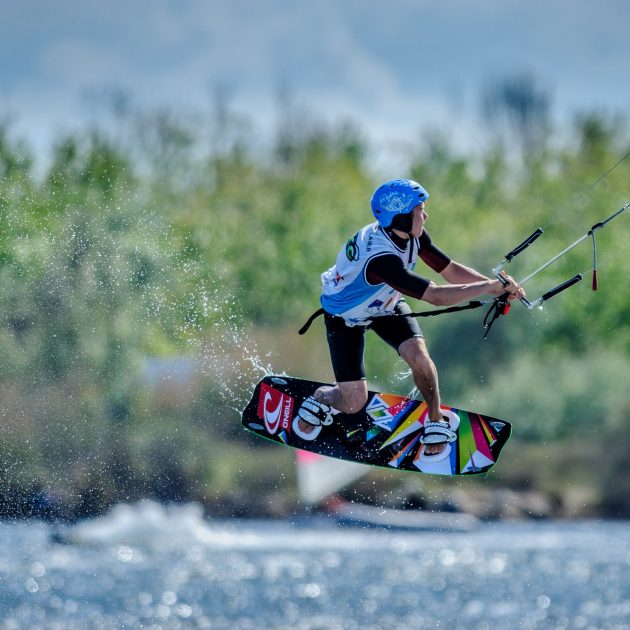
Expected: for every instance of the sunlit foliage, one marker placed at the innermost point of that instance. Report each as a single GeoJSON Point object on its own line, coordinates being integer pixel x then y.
{"type": "Point", "coordinates": [162, 236]}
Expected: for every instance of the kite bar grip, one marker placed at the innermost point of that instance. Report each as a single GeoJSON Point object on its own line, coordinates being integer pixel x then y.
{"type": "Point", "coordinates": [504, 296]}
{"type": "Point", "coordinates": [502, 280]}
{"type": "Point", "coordinates": [524, 245]}
{"type": "Point", "coordinates": [561, 287]}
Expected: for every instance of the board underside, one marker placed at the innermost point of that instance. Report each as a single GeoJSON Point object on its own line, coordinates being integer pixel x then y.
{"type": "Point", "coordinates": [386, 432]}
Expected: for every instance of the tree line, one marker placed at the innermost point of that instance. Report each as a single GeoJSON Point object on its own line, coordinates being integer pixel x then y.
{"type": "Point", "coordinates": [145, 262]}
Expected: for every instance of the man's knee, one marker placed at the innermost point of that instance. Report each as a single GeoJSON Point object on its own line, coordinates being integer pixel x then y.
{"type": "Point", "coordinates": [414, 352]}
{"type": "Point", "coordinates": [354, 395]}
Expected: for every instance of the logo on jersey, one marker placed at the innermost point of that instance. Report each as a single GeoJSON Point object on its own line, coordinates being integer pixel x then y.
{"type": "Point", "coordinates": [275, 409]}
{"type": "Point", "coordinates": [352, 249]}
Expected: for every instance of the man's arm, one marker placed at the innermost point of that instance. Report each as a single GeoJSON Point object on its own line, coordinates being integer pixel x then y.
{"type": "Point", "coordinates": [453, 272]}
{"type": "Point", "coordinates": [456, 273]}
{"type": "Point", "coordinates": [389, 269]}
{"type": "Point", "coordinates": [450, 294]}
{"type": "Point", "coordinates": [466, 280]}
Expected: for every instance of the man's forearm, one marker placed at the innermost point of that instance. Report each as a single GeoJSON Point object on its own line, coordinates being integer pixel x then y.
{"type": "Point", "coordinates": [449, 294]}
{"type": "Point", "coordinates": [456, 273]}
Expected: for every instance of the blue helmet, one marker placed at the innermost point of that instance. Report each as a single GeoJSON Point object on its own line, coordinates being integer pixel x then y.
{"type": "Point", "coordinates": [396, 197]}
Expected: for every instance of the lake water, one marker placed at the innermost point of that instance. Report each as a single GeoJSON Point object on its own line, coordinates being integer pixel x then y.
{"type": "Point", "coordinates": [146, 566]}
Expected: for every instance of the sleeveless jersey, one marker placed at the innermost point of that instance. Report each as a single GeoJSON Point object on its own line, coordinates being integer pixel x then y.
{"type": "Point", "coordinates": [345, 290]}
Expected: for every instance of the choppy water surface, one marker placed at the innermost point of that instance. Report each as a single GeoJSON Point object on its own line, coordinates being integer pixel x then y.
{"type": "Point", "coordinates": [144, 566]}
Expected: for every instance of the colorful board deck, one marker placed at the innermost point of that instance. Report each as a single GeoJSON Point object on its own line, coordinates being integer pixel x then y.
{"type": "Point", "coordinates": [386, 432]}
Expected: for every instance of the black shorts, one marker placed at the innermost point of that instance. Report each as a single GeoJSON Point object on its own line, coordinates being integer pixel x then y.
{"type": "Point", "coordinates": [347, 343]}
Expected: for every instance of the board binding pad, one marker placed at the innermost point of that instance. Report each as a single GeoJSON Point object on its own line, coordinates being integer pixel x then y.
{"type": "Point", "coordinates": [386, 432]}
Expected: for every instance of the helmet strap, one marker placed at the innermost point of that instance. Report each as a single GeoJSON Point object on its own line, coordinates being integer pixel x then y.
{"type": "Point", "coordinates": [402, 222]}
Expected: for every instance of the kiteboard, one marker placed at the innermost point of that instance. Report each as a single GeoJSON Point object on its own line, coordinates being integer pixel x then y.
{"type": "Point", "coordinates": [386, 432]}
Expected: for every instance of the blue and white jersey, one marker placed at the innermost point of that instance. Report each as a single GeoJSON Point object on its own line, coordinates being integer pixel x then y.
{"type": "Point", "coordinates": [346, 291]}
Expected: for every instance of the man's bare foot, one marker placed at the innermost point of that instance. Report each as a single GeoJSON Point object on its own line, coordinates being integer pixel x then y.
{"type": "Point", "coordinates": [305, 426]}
{"type": "Point", "coordinates": [434, 449]}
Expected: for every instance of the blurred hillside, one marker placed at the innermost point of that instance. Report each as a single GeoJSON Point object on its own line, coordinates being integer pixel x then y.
{"type": "Point", "coordinates": [157, 265]}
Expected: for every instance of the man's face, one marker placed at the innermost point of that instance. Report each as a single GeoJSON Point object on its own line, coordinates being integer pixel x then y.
{"type": "Point", "coordinates": [419, 217]}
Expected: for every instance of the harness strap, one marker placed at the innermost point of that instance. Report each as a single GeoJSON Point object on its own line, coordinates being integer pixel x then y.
{"type": "Point", "coordinates": [310, 320]}
{"type": "Point", "coordinates": [441, 311]}
{"type": "Point", "coordinates": [450, 309]}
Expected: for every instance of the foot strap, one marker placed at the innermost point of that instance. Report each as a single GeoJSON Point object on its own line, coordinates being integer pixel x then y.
{"type": "Point", "coordinates": [315, 413]}
{"type": "Point", "coordinates": [441, 431]}
{"type": "Point", "coordinates": [438, 432]}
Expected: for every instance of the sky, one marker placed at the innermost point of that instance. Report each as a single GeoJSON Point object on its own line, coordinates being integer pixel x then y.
{"type": "Point", "coordinates": [395, 67]}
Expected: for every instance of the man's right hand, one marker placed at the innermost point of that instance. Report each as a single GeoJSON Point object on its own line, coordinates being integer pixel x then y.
{"type": "Point", "coordinates": [514, 290]}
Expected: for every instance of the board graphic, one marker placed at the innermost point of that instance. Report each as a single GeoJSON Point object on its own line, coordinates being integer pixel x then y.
{"type": "Point", "coordinates": [386, 432]}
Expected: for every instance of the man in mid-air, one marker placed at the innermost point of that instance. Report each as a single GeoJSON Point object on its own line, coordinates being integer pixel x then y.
{"type": "Point", "coordinates": [364, 291]}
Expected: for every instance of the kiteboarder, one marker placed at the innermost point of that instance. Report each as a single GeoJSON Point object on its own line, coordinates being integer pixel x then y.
{"type": "Point", "coordinates": [364, 291]}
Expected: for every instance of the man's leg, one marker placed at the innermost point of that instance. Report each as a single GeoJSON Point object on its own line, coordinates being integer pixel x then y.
{"type": "Point", "coordinates": [349, 394]}
{"type": "Point", "coordinates": [348, 397]}
{"type": "Point", "coordinates": [404, 334]}
{"type": "Point", "coordinates": [425, 376]}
